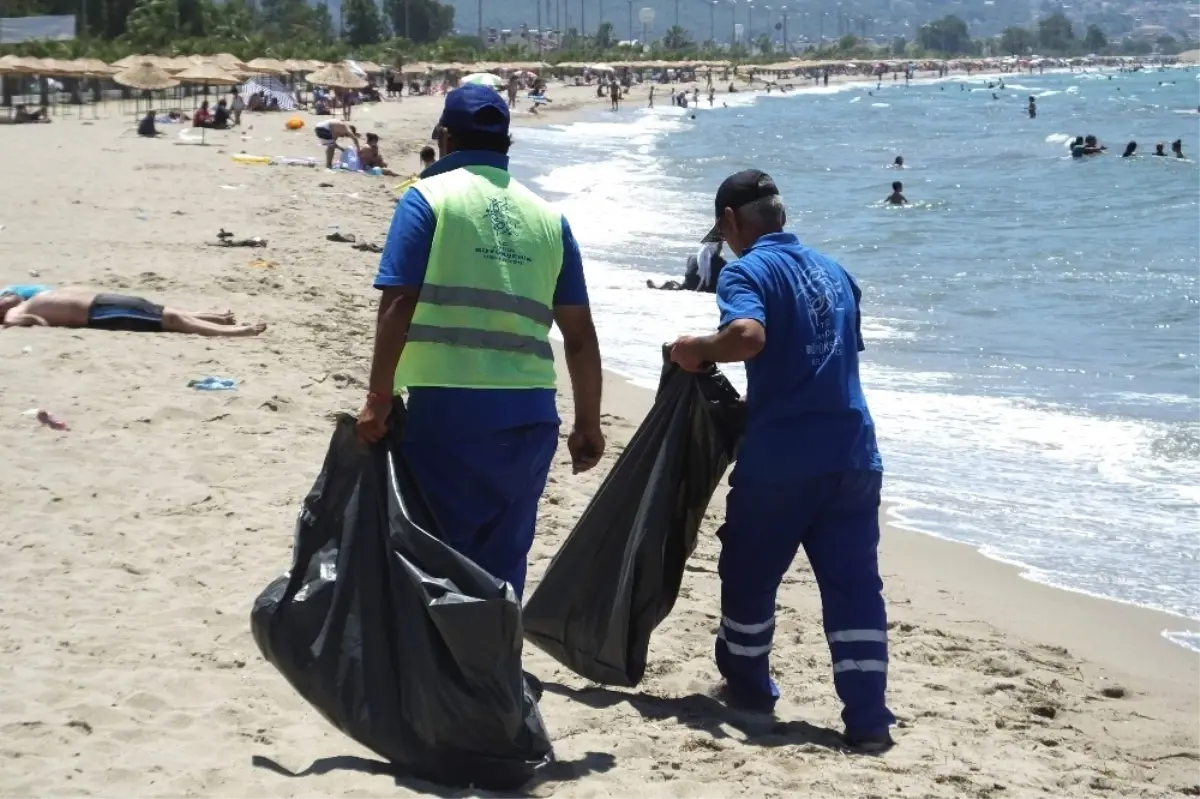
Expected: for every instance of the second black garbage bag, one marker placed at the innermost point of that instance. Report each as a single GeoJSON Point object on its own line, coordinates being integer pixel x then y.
{"type": "Point", "coordinates": [402, 643]}
{"type": "Point", "coordinates": [618, 574]}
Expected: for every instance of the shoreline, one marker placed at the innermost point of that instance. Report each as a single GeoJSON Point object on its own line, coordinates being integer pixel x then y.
{"type": "Point", "coordinates": [1173, 623]}
{"type": "Point", "coordinates": [139, 539]}
{"type": "Point", "coordinates": [1149, 623]}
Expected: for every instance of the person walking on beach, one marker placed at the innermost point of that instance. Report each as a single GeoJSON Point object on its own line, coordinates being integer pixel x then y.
{"type": "Point", "coordinates": [475, 271]}
{"type": "Point", "coordinates": [808, 471]}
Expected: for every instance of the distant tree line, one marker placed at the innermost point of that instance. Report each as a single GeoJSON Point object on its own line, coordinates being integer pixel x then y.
{"type": "Point", "coordinates": [1054, 35]}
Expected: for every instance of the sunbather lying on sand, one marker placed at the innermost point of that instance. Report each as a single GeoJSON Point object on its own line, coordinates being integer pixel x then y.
{"type": "Point", "coordinates": [79, 307]}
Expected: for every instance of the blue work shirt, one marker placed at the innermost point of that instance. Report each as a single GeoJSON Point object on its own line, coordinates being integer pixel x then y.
{"type": "Point", "coordinates": [806, 413]}
{"type": "Point", "coordinates": [467, 411]}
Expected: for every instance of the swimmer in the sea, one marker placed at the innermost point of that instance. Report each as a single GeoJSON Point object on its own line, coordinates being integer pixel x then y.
{"type": "Point", "coordinates": [898, 163]}
{"type": "Point", "coordinates": [1177, 148]}
{"type": "Point", "coordinates": [1092, 147]}
{"type": "Point", "coordinates": [1160, 150]}
{"type": "Point", "coordinates": [1032, 107]}
{"type": "Point", "coordinates": [897, 197]}
{"type": "Point", "coordinates": [1130, 150]}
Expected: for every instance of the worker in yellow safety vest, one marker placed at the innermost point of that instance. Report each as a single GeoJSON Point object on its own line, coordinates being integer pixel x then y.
{"type": "Point", "coordinates": [475, 271]}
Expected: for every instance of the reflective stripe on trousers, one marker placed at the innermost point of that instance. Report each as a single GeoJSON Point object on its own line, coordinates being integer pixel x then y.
{"type": "Point", "coordinates": [487, 300]}
{"type": "Point", "coordinates": [746, 640]}
{"type": "Point", "coordinates": [481, 340]}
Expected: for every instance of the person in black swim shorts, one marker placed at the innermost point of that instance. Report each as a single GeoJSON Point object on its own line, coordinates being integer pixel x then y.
{"type": "Point", "coordinates": [329, 131]}
{"type": "Point", "coordinates": [78, 307]}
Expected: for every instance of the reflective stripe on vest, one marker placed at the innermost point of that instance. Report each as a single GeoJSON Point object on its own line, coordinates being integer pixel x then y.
{"type": "Point", "coordinates": [487, 300]}
{"type": "Point", "coordinates": [481, 340]}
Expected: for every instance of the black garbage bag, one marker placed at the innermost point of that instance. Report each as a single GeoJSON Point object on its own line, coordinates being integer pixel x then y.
{"type": "Point", "coordinates": [402, 643]}
{"type": "Point", "coordinates": [618, 573]}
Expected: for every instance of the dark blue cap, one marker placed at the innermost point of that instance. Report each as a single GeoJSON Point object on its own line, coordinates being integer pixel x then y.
{"type": "Point", "coordinates": [475, 108]}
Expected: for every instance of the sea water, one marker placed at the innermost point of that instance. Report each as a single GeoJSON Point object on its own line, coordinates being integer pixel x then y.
{"type": "Point", "coordinates": [1031, 319]}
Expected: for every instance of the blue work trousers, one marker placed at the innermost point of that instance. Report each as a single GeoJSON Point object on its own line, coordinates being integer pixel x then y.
{"type": "Point", "coordinates": [835, 518]}
{"type": "Point", "coordinates": [484, 489]}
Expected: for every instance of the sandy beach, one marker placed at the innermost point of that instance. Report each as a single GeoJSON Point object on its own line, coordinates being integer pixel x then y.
{"type": "Point", "coordinates": [138, 540]}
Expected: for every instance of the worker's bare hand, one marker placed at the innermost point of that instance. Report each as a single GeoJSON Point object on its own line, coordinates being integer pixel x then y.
{"type": "Point", "coordinates": [586, 445]}
{"type": "Point", "coordinates": [372, 420]}
{"type": "Point", "coordinates": [686, 352]}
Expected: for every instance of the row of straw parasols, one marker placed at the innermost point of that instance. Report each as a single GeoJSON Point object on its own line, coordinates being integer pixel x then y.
{"type": "Point", "coordinates": [154, 73]}
{"type": "Point", "coordinates": [150, 77]}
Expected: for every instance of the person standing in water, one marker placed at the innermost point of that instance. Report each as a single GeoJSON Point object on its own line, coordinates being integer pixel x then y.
{"type": "Point", "coordinates": [1032, 107]}
{"type": "Point", "coordinates": [1177, 148]}
{"type": "Point", "coordinates": [898, 163]}
{"type": "Point", "coordinates": [651, 105]}
{"type": "Point", "coordinates": [897, 196]}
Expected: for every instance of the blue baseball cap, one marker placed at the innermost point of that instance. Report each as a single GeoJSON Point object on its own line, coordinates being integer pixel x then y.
{"type": "Point", "coordinates": [474, 108]}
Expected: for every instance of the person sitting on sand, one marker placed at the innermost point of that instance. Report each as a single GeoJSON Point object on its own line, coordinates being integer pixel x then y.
{"type": "Point", "coordinates": [369, 157]}
{"type": "Point", "coordinates": [220, 118]}
{"type": "Point", "coordinates": [24, 115]}
{"type": "Point", "coordinates": [146, 126]}
{"type": "Point", "coordinates": [703, 269]}
{"type": "Point", "coordinates": [80, 307]}
{"type": "Point", "coordinates": [897, 196]}
{"type": "Point", "coordinates": [202, 117]}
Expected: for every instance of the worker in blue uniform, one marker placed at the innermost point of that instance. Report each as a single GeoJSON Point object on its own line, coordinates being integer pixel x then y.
{"type": "Point", "coordinates": [808, 472]}
{"type": "Point", "coordinates": [475, 270]}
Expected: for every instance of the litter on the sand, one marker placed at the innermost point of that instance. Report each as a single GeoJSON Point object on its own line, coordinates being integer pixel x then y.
{"type": "Point", "coordinates": [46, 419]}
{"type": "Point", "coordinates": [213, 384]}
{"type": "Point", "coordinates": [226, 239]}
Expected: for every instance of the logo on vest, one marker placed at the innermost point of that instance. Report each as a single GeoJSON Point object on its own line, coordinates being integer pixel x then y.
{"type": "Point", "coordinates": [500, 214]}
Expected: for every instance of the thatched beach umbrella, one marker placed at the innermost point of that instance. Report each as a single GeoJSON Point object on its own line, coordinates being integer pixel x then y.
{"type": "Point", "coordinates": [266, 66]}
{"type": "Point", "coordinates": [147, 77]}
{"type": "Point", "coordinates": [227, 62]}
{"type": "Point", "coordinates": [369, 67]}
{"type": "Point", "coordinates": [336, 76]}
{"type": "Point", "coordinates": [93, 67]}
{"type": "Point", "coordinates": [130, 61]}
{"type": "Point", "coordinates": [207, 75]}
